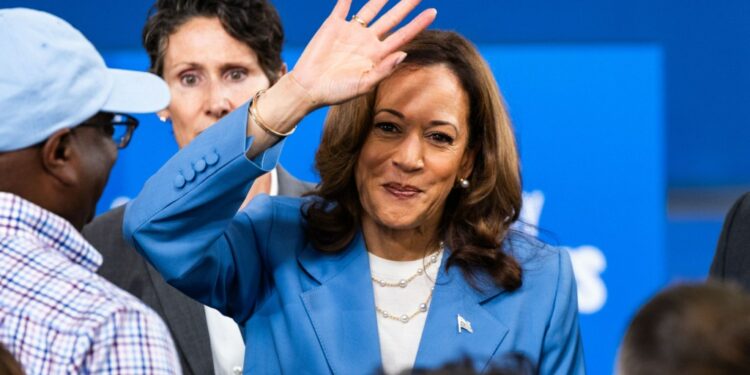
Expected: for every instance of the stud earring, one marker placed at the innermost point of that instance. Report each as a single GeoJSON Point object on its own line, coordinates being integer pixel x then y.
{"type": "Point", "coordinates": [464, 183]}
{"type": "Point", "coordinates": [163, 118]}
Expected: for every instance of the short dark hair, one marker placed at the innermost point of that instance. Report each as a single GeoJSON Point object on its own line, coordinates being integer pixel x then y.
{"type": "Point", "coordinates": [512, 363]}
{"type": "Point", "coordinates": [253, 22]}
{"type": "Point", "coordinates": [690, 330]}
{"type": "Point", "coordinates": [475, 222]}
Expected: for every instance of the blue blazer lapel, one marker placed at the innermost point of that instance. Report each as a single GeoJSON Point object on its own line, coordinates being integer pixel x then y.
{"type": "Point", "coordinates": [441, 340]}
{"type": "Point", "coordinates": [342, 308]}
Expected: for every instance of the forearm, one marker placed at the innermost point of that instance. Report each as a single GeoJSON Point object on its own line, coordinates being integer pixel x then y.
{"type": "Point", "coordinates": [174, 223]}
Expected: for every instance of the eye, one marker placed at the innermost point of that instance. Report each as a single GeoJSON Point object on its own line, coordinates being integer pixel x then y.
{"type": "Point", "coordinates": [386, 127]}
{"type": "Point", "coordinates": [189, 79]}
{"type": "Point", "coordinates": [109, 130]}
{"type": "Point", "coordinates": [441, 138]}
{"type": "Point", "coordinates": [236, 74]}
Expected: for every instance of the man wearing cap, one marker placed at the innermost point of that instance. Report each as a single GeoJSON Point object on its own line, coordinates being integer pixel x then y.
{"type": "Point", "coordinates": [61, 126]}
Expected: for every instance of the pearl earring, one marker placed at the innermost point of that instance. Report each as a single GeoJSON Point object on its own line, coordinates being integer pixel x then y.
{"type": "Point", "coordinates": [163, 118]}
{"type": "Point", "coordinates": [464, 183]}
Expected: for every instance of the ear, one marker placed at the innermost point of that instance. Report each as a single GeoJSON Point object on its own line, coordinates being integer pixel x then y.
{"type": "Point", "coordinates": [284, 69]}
{"type": "Point", "coordinates": [164, 115]}
{"type": "Point", "coordinates": [467, 164]}
{"type": "Point", "coordinates": [59, 157]}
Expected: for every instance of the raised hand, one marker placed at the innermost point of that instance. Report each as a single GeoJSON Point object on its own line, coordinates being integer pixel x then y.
{"type": "Point", "coordinates": [347, 58]}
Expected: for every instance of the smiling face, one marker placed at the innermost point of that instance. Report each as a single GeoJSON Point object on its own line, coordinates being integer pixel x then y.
{"type": "Point", "coordinates": [416, 150]}
{"type": "Point", "coordinates": [209, 73]}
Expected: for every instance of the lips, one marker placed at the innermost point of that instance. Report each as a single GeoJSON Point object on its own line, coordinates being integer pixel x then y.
{"type": "Point", "coordinates": [401, 191]}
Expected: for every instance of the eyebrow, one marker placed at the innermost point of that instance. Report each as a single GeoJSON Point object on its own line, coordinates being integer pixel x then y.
{"type": "Point", "coordinates": [402, 117]}
{"type": "Point", "coordinates": [223, 66]}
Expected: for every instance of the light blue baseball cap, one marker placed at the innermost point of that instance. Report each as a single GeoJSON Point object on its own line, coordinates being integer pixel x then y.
{"type": "Point", "coordinates": [52, 77]}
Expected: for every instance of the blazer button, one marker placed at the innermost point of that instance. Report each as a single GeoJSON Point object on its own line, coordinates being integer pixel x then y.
{"type": "Point", "coordinates": [179, 181]}
{"type": "Point", "coordinates": [212, 158]}
{"type": "Point", "coordinates": [189, 174]}
{"type": "Point", "coordinates": [200, 166]}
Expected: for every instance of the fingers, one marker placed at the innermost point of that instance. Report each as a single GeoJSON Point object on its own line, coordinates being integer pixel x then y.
{"type": "Point", "coordinates": [408, 32]}
{"type": "Point", "coordinates": [341, 10]}
{"type": "Point", "coordinates": [382, 70]}
{"type": "Point", "coordinates": [394, 16]}
{"type": "Point", "coordinates": [370, 10]}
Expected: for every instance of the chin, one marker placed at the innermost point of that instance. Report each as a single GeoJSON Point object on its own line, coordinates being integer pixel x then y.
{"type": "Point", "coordinates": [403, 221]}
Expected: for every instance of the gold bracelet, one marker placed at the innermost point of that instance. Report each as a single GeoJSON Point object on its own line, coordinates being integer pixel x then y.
{"type": "Point", "coordinates": [253, 110]}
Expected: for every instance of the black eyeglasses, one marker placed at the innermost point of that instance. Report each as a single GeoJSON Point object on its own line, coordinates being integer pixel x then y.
{"type": "Point", "coordinates": [120, 127]}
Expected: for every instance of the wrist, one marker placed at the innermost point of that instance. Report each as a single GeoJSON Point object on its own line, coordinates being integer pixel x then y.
{"type": "Point", "coordinates": [284, 104]}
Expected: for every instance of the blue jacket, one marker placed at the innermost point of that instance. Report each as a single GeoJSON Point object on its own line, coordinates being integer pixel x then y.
{"type": "Point", "coordinates": [305, 312]}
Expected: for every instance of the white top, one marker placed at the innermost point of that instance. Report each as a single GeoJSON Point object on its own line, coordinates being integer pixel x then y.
{"type": "Point", "coordinates": [399, 341]}
{"type": "Point", "coordinates": [227, 346]}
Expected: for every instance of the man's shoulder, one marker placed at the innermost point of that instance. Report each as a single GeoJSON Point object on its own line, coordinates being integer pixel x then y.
{"type": "Point", "coordinates": [107, 221]}
{"type": "Point", "coordinates": [736, 230]}
{"type": "Point", "coordinates": [104, 233]}
{"type": "Point", "coordinates": [89, 318]}
{"type": "Point", "coordinates": [732, 258]}
{"type": "Point", "coordinates": [740, 211]}
{"type": "Point", "coordinates": [70, 299]}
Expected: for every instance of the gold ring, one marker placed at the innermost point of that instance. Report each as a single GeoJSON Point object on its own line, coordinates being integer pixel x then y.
{"type": "Point", "coordinates": [358, 20]}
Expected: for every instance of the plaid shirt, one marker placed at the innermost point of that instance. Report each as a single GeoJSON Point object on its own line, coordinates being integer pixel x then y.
{"type": "Point", "coordinates": [57, 316]}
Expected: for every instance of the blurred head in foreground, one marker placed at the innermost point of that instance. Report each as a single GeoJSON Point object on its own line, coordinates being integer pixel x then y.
{"type": "Point", "coordinates": [689, 330]}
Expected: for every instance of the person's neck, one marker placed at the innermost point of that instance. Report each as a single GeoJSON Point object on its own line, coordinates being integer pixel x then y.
{"type": "Point", "coordinates": [399, 245]}
{"type": "Point", "coordinates": [261, 185]}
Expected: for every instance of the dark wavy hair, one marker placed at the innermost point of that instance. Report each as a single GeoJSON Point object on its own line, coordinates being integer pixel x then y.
{"type": "Point", "coordinates": [253, 22]}
{"type": "Point", "coordinates": [475, 221]}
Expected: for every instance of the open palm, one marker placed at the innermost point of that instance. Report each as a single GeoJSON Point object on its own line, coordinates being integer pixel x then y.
{"type": "Point", "coordinates": [348, 58]}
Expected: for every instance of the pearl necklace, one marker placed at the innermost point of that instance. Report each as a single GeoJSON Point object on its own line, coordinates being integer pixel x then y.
{"type": "Point", "coordinates": [403, 283]}
{"type": "Point", "coordinates": [407, 318]}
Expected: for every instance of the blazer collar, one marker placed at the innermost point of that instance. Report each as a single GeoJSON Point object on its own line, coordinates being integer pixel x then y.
{"type": "Point", "coordinates": [442, 341]}
{"type": "Point", "coordinates": [342, 311]}
{"type": "Point", "coordinates": [342, 308]}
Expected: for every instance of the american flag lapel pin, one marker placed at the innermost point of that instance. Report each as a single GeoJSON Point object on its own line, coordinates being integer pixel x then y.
{"type": "Point", "coordinates": [463, 324]}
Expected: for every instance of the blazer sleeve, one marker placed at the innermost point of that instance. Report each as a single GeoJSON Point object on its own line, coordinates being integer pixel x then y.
{"type": "Point", "coordinates": [185, 220]}
{"type": "Point", "coordinates": [563, 349]}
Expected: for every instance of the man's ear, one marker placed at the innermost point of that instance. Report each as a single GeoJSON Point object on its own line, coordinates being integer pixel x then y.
{"type": "Point", "coordinates": [58, 157]}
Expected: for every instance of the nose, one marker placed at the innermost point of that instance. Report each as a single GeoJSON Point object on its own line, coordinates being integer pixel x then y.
{"type": "Point", "coordinates": [219, 103]}
{"type": "Point", "coordinates": [408, 155]}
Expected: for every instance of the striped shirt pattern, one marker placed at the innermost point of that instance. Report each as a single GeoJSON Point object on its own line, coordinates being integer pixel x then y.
{"type": "Point", "coordinates": [57, 316]}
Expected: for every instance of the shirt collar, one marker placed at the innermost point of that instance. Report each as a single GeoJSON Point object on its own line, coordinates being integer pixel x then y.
{"type": "Point", "coordinates": [20, 217]}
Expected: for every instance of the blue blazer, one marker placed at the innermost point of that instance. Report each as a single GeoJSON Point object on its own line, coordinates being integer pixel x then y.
{"type": "Point", "coordinates": [306, 312]}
